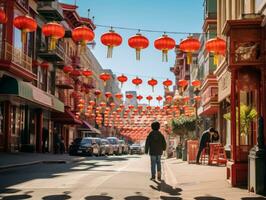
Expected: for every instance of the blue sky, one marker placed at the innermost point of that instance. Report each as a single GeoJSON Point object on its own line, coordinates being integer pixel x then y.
{"type": "Point", "coordinates": [168, 15]}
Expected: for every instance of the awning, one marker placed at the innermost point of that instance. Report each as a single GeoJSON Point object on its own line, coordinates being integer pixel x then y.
{"type": "Point", "coordinates": [66, 117]}
{"type": "Point", "coordinates": [86, 127]}
{"type": "Point", "coordinates": [13, 87]}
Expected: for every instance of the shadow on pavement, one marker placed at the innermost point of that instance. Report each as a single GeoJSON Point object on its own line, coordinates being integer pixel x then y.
{"type": "Point", "coordinates": [170, 198]}
{"type": "Point", "coordinates": [17, 197]}
{"type": "Point", "coordinates": [57, 197]}
{"type": "Point", "coordinates": [8, 190]}
{"type": "Point", "coordinates": [137, 198]}
{"type": "Point", "coordinates": [98, 197]}
{"type": "Point", "coordinates": [164, 187]}
{"type": "Point", "coordinates": [208, 198]}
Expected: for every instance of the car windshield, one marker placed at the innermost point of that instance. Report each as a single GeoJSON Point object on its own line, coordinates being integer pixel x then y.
{"type": "Point", "coordinates": [85, 141]}
{"type": "Point", "coordinates": [122, 142]}
{"type": "Point", "coordinates": [112, 140]}
{"type": "Point", "coordinates": [104, 142]}
{"type": "Point", "coordinates": [135, 145]}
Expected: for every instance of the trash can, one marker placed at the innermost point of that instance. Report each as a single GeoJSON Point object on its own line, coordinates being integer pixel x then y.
{"type": "Point", "coordinates": [179, 151]}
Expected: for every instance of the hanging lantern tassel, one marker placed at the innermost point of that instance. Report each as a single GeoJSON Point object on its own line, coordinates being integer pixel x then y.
{"type": "Point", "coordinates": [152, 88]}
{"type": "Point", "coordinates": [23, 37]}
{"type": "Point", "coordinates": [110, 51]}
{"type": "Point", "coordinates": [138, 54]}
{"type": "Point", "coordinates": [52, 45]}
{"type": "Point", "coordinates": [165, 55]}
{"type": "Point", "coordinates": [189, 57]}
{"type": "Point", "coordinates": [215, 59]}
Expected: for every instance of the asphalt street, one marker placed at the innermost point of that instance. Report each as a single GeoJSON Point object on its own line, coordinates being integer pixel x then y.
{"type": "Point", "coordinates": [96, 178]}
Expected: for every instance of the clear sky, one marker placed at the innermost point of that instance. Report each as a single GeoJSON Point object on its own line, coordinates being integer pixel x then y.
{"type": "Point", "coordinates": [167, 15]}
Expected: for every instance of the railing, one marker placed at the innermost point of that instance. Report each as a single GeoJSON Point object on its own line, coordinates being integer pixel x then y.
{"type": "Point", "coordinates": [53, 4]}
{"type": "Point", "coordinates": [58, 50]}
{"type": "Point", "coordinates": [16, 56]}
{"type": "Point", "coordinates": [62, 78]}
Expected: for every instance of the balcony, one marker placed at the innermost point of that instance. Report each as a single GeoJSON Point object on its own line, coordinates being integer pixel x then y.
{"type": "Point", "coordinates": [51, 10]}
{"type": "Point", "coordinates": [15, 61]}
{"type": "Point", "coordinates": [63, 81]}
{"type": "Point", "coordinates": [56, 55]}
{"type": "Point", "coordinates": [209, 94]}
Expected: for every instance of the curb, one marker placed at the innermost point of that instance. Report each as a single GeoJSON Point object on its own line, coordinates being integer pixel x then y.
{"type": "Point", "coordinates": [39, 162]}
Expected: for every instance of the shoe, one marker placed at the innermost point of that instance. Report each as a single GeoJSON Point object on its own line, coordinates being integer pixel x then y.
{"type": "Point", "coordinates": [159, 176]}
{"type": "Point", "coordinates": [152, 178]}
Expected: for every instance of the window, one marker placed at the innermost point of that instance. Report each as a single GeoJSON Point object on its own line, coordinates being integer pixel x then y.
{"type": "Point", "coordinates": [1, 118]}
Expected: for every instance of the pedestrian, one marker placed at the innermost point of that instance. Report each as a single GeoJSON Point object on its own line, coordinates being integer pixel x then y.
{"type": "Point", "coordinates": [62, 145]}
{"type": "Point", "coordinates": [215, 137]}
{"type": "Point", "coordinates": [155, 145]}
{"type": "Point", "coordinates": [204, 140]}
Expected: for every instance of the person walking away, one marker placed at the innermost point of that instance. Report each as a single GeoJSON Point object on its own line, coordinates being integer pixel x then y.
{"type": "Point", "coordinates": [204, 140]}
{"type": "Point", "coordinates": [155, 145]}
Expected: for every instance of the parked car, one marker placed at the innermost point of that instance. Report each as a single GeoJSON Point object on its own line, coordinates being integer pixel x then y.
{"type": "Point", "coordinates": [124, 146]}
{"type": "Point", "coordinates": [109, 150]}
{"type": "Point", "coordinates": [116, 146]}
{"type": "Point", "coordinates": [73, 148]}
{"type": "Point", "coordinates": [89, 146]}
{"type": "Point", "coordinates": [136, 149]}
{"type": "Point", "coordinates": [102, 148]}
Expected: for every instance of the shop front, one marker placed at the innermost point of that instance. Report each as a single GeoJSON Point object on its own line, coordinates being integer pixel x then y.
{"type": "Point", "coordinates": [25, 114]}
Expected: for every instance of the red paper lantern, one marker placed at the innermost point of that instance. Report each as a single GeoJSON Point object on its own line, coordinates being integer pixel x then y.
{"type": "Point", "coordinates": [112, 105]}
{"type": "Point", "coordinates": [129, 96]}
{"type": "Point", "coordinates": [152, 82]}
{"type": "Point", "coordinates": [108, 95]}
{"type": "Point", "coordinates": [97, 93]}
{"type": "Point", "coordinates": [3, 17]}
{"type": "Point", "coordinates": [82, 35]}
{"type": "Point", "coordinates": [189, 45]}
{"type": "Point", "coordinates": [139, 97]}
{"type": "Point", "coordinates": [168, 98]}
{"type": "Point", "coordinates": [159, 98]}
{"type": "Point", "coordinates": [138, 42]}
{"type": "Point", "coordinates": [167, 83]}
{"type": "Point", "coordinates": [54, 31]}
{"type": "Point", "coordinates": [164, 44]}
{"type": "Point", "coordinates": [105, 77]}
{"type": "Point", "coordinates": [217, 46]}
{"type": "Point", "coordinates": [111, 40]}
{"type": "Point", "coordinates": [196, 83]}
{"type": "Point", "coordinates": [92, 103]}
{"type": "Point", "coordinates": [131, 107]}
{"type": "Point", "coordinates": [149, 98]}
{"type": "Point", "coordinates": [75, 73]}
{"type": "Point", "coordinates": [122, 79]}
{"type": "Point", "coordinates": [182, 83]}
{"type": "Point", "coordinates": [35, 63]}
{"type": "Point", "coordinates": [26, 24]}
{"type": "Point", "coordinates": [119, 96]}
{"type": "Point", "coordinates": [137, 81]}
{"type": "Point", "coordinates": [44, 65]}
{"type": "Point", "coordinates": [87, 73]}
{"type": "Point", "coordinates": [185, 99]}
{"type": "Point", "coordinates": [197, 98]}
{"type": "Point", "coordinates": [67, 69]}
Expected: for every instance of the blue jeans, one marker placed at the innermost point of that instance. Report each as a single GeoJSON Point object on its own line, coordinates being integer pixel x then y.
{"type": "Point", "coordinates": [155, 161]}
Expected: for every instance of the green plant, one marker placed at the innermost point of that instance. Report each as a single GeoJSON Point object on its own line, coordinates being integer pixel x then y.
{"type": "Point", "coordinates": [183, 124]}
{"type": "Point", "coordinates": [247, 115]}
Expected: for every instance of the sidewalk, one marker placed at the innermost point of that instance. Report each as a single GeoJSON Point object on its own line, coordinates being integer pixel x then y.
{"type": "Point", "coordinates": [10, 160]}
{"type": "Point", "coordinates": [202, 182]}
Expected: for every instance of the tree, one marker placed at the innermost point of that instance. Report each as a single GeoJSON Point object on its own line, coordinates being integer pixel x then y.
{"type": "Point", "coordinates": [247, 115]}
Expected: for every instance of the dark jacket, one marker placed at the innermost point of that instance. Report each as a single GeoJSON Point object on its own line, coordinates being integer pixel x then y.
{"type": "Point", "coordinates": [205, 138]}
{"type": "Point", "coordinates": [155, 143]}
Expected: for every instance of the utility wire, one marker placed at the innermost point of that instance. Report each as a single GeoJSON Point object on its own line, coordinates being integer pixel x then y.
{"type": "Point", "coordinates": [147, 30]}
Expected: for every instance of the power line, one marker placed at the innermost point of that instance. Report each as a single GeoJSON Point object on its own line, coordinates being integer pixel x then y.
{"type": "Point", "coordinates": [147, 30]}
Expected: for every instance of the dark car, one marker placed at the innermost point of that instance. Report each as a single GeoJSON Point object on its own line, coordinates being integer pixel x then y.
{"type": "Point", "coordinates": [124, 145]}
{"type": "Point", "coordinates": [136, 149]}
{"type": "Point", "coordinates": [116, 146]}
{"type": "Point", "coordinates": [73, 148]}
{"type": "Point", "coordinates": [108, 147]}
{"type": "Point", "coordinates": [101, 146]}
{"type": "Point", "coordinates": [88, 146]}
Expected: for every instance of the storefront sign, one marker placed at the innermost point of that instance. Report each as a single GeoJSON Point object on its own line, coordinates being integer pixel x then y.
{"type": "Point", "coordinates": [224, 86]}
{"type": "Point", "coordinates": [41, 97]}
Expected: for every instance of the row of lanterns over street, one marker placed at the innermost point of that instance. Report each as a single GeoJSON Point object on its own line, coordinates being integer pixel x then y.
{"type": "Point", "coordinates": [84, 35]}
